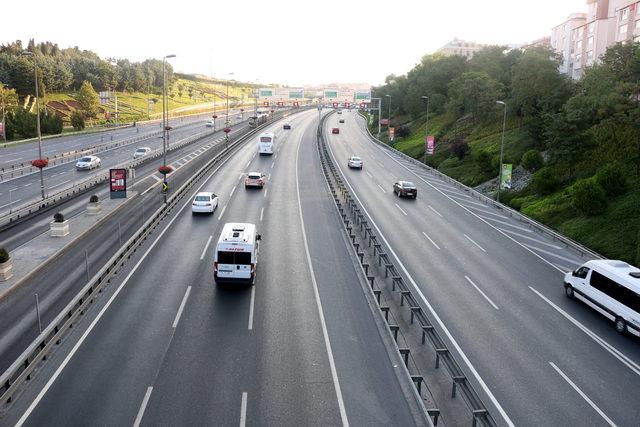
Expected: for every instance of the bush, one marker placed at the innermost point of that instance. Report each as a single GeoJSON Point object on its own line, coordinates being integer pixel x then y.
{"type": "Point", "coordinates": [50, 124]}
{"type": "Point", "coordinates": [532, 160]}
{"type": "Point", "coordinates": [544, 182]}
{"type": "Point", "coordinates": [612, 179]}
{"type": "Point", "coordinates": [403, 131]}
{"type": "Point", "coordinates": [94, 198]}
{"type": "Point", "coordinates": [58, 217]}
{"type": "Point", "coordinates": [4, 255]}
{"type": "Point", "coordinates": [459, 148]}
{"type": "Point", "coordinates": [77, 120]}
{"type": "Point", "coordinates": [588, 197]}
{"type": "Point", "coordinates": [483, 159]}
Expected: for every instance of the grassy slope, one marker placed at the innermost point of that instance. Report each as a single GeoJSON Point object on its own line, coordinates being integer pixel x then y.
{"type": "Point", "coordinates": [614, 234]}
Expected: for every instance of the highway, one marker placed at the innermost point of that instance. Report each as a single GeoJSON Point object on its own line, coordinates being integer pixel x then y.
{"type": "Point", "coordinates": [535, 357]}
{"type": "Point", "coordinates": [166, 346]}
{"type": "Point", "coordinates": [21, 190]}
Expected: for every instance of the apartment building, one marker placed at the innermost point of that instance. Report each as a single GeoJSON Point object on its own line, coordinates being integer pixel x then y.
{"type": "Point", "coordinates": [460, 48]}
{"type": "Point", "coordinates": [562, 41]}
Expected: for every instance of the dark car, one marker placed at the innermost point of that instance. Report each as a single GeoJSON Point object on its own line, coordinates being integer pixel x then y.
{"type": "Point", "coordinates": [286, 126]}
{"type": "Point", "coordinates": [335, 130]}
{"type": "Point", "coordinates": [341, 120]}
{"type": "Point", "coordinates": [405, 189]}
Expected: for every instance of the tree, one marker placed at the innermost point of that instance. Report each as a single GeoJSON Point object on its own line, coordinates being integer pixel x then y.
{"type": "Point", "coordinates": [473, 93]}
{"type": "Point", "coordinates": [588, 197]}
{"type": "Point", "coordinates": [545, 182]}
{"type": "Point", "coordinates": [459, 147]}
{"type": "Point", "coordinates": [532, 160]}
{"type": "Point", "coordinates": [612, 178]}
{"type": "Point", "coordinates": [77, 120]}
{"type": "Point", "coordinates": [483, 160]}
{"type": "Point", "coordinates": [88, 99]}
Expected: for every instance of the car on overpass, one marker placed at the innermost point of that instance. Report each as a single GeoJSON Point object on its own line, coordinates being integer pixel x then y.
{"type": "Point", "coordinates": [286, 126]}
{"type": "Point", "coordinates": [204, 202]}
{"type": "Point", "coordinates": [405, 189]}
{"type": "Point", "coordinates": [88, 162]}
{"type": "Point", "coordinates": [211, 124]}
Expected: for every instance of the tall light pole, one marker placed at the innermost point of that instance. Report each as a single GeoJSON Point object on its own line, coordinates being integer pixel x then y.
{"type": "Point", "coordinates": [426, 129]}
{"type": "Point", "coordinates": [226, 123]}
{"type": "Point", "coordinates": [4, 121]}
{"type": "Point", "coordinates": [504, 123]}
{"type": "Point", "coordinates": [35, 71]}
{"type": "Point", "coordinates": [389, 118]}
{"type": "Point", "coordinates": [165, 119]}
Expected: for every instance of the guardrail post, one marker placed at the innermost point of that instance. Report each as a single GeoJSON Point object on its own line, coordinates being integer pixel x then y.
{"type": "Point", "coordinates": [404, 294]}
{"type": "Point", "coordinates": [404, 352]}
{"type": "Point", "coordinates": [385, 311]}
{"type": "Point", "coordinates": [456, 379]}
{"type": "Point", "coordinates": [426, 328]}
{"type": "Point", "coordinates": [440, 351]}
{"type": "Point", "coordinates": [394, 329]}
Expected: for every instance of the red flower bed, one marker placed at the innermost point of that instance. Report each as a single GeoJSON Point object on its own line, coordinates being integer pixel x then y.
{"type": "Point", "coordinates": [39, 163]}
{"type": "Point", "coordinates": [168, 128]}
{"type": "Point", "coordinates": [165, 170]}
{"type": "Point", "coordinates": [226, 130]}
{"type": "Point", "coordinates": [215, 116]}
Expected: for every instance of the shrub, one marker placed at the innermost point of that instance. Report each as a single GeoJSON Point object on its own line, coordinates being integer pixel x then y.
{"type": "Point", "coordinates": [612, 179]}
{"type": "Point", "coordinates": [4, 255]}
{"type": "Point", "coordinates": [403, 131]}
{"type": "Point", "coordinates": [58, 217]}
{"type": "Point", "coordinates": [483, 159]}
{"type": "Point", "coordinates": [459, 148]}
{"type": "Point", "coordinates": [532, 160]}
{"type": "Point", "coordinates": [544, 182]}
{"type": "Point", "coordinates": [94, 198]}
{"type": "Point", "coordinates": [77, 120]}
{"type": "Point", "coordinates": [50, 123]}
{"type": "Point", "coordinates": [588, 197]}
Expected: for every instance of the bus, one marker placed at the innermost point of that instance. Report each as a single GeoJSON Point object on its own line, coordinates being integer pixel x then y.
{"type": "Point", "coordinates": [265, 143]}
{"type": "Point", "coordinates": [236, 256]}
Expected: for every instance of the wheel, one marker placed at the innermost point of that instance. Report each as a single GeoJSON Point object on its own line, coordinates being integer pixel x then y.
{"type": "Point", "coordinates": [414, 197]}
{"type": "Point", "coordinates": [568, 290]}
{"type": "Point", "coordinates": [621, 325]}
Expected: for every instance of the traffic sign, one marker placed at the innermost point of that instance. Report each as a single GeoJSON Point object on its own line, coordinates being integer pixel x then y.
{"type": "Point", "coordinates": [280, 104]}
{"type": "Point", "coordinates": [363, 105]}
{"type": "Point", "coordinates": [165, 186]}
{"type": "Point", "coordinates": [265, 104]}
{"type": "Point", "coordinates": [335, 104]}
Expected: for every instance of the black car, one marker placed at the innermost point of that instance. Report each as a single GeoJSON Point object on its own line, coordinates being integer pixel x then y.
{"type": "Point", "coordinates": [341, 120]}
{"type": "Point", "coordinates": [286, 126]}
{"type": "Point", "coordinates": [405, 189]}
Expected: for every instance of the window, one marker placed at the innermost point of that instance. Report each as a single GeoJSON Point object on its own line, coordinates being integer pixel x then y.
{"type": "Point", "coordinates": [590, 42]}
{"type": "Point", "coordinates": [590, 57]}
{"type": "Point", "coordinates": [579, 45]}
{"type": "Point", "coordinates": [578, 61]}
{"type": "Point", "coordinates": [234, 257]}
{"type": "Point", "coordinates": [582, 272]}
{"type": "Point", "coordinates": [623, 29]}
{"type": "Point", "coordinates": [624, 14]}
{"type": "Point", "coordinates": [616, 291]}
{"type": "Point", "coordinates": [591, 27]}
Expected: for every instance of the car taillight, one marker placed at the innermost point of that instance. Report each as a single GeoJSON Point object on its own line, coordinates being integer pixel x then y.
{"type": "Point", "coordinates": [215, 266]}
{"type": "Point", "coordinates": [253, 267]}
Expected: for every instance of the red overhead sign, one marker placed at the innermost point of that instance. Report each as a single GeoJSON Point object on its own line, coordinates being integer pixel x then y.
{"type": "Point", "coordinates": [363, 105]}
{"type": "Point", "coordinates": [296, 104]}
{"type": "Point", "coordinates": [335, 104]}
{"type": "Point", "coordinates": [265, 104]}
{"type": "Point", "coordinates": [280, 104]}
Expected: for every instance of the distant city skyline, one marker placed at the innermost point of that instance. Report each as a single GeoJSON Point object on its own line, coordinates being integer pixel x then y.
{"type": "Point", "coordinates": [282, 41]}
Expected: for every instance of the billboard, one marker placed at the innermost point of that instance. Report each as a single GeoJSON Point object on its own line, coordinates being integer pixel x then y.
{"type": "Point", "coordinates": [118, 183]}
{"type": "Point", "coordinates": [346, 96]}
{"type": "Point", "coordinates": [430, 147]}
{"type": "Point", "coordinates": [505, 183]}
{"type": "Point", "coordinates": [392, 134]}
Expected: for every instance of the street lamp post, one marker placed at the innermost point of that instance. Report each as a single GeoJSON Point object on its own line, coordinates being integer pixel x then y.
{"type": "Point", "coordinates": [504, 123]}
{"type": "Point", "coordinates": [426, 129]}
{"type": "Point", "coordinates": [226, 123]}
{"type": "Point", "coordinates": [35, 70]}
{"type": "Point", "coordinates": [165, 119]}
{"type": "Point", "coordinates": [389, 118]}
{"type": "Point", "coordinates": [4, 121]}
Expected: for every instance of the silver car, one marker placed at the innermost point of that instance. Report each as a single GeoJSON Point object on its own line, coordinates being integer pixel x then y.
{"type": "Point", "coordinates": [88, 163]}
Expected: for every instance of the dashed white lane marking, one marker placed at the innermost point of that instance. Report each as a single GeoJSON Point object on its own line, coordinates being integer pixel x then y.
{"type": "Point", "coordinates": [222, 212]}
{"type": "Point", "coordinates": [243, 410]}
{"type": "Point", "coordinates": [432, 208]}
{"type": "Point", "coordinates": [204, 251]}
{"type": "Point", "coordinates": [182, 304]}
{"type": "Point", "coordinates": [265, 193]}
{"type": "Point", "coordinates": [272, 164]}
{"type": "Point", "coordinates": [261, 213]}
{"type": "Point", "coordinates": [431, 240]}
{"type": "Point", "coordinates": [143, 406]}
{"type": "Point", "coordinates": [232, 190]}
{"type": "Point", "coordinates": [251, 305]}
{"type": "Point", "coordinates": [584, 396]}
{"type": "Point", "coordinates": [474, 242]}
{"type": "Point", "coordinates": [369, 173]}
{"type": "Point", "coordinates": [156, 177]}
{"type": "Point", "coordinates": [248, 163]}
{"type": "Point", "coordinates": [383, 190]}
{"type": "Point", "coordinates": [401, 210]}
{"type": "Point", "coordinates": [482, 293]}
{"type": "Point", "coordinates": [11, 203]}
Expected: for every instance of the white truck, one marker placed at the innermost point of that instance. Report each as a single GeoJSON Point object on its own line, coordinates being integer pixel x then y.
{"type": "Point", "coordinates": [265, 143]}
{"type": "Point", "coordinates": [236, 256]}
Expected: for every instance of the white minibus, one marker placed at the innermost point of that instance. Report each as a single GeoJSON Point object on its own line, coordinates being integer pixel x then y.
{"type": "Point", "coordinates": [236, 255]}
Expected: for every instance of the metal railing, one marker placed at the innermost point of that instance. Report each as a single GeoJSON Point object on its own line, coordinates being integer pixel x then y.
{"type": "Point", "coordinates": [354, 219]}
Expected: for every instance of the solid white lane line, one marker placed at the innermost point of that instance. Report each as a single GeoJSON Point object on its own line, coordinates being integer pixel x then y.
{"type": "Point", "coordinates": [530, 238]}
{"type": "Point", "coordinates": [316, 293]}
{"type": "Point", "coordinates": [182, 304]}
{"type": "Point", "coordinates": [26, 185]}
{"type": "Point", "coordinates": [251, 305]}
{"type": "Point", "coordinates": [611, 349]}
{"type": "Point", "coordinates": [474, 242]}
{"type": "Point", "coordinates": [156, 177]}
{"type": "Point", "coordinates": [508, 224]}
{"type": "Point", "coordinates": [59, 184]}
{"type": "Point", "coordinates": [401, 210]}
{"type": "Point", "coordinates": [243, 410]}
{"type": "Point", "coordinates": [248, 163]}
{"type": "Point", "coordinates": [383, 190]}
{"type": "Point", "coordinates": [222, 212]}
{"type": "Point", "coordinates": [465, 200]}
{"type": "Point", "coordinates": [572, 260]}
{"type": "Point", "coordinates": [584, 396]}
{"type": "Point", "coordinates": [13, 202]}
{"type": "Point", "coordinates": [432, 242]}
{"type": "Point", "coordinates": [232, 190]}
{"type": "Point", "coordinates": [241, 175]}
{"type": "Point", "coordinates": [486, 212]}
{"type": "Point", "coordinates": [482, 293]}
{"type": "Point", "coordinates": [204, 251]}
{"type": "Point", "coordinates": [143, 406]}
{"type": "Point", "coordinates": [369, 173]}
{"type": "Point", "coordinates": [272, 164]}
{"type": "Point", "coordinates": [432, 208]}
{"type": "Point", "coordinates": [261, 213]}
{"type": "Point", "coordinates": [457, 193]}
{"type": "Point", "coordinates": [265, 193]}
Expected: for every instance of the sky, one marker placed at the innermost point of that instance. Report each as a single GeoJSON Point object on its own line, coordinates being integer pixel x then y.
{"type": "Point", "coordinates": [281, 41]}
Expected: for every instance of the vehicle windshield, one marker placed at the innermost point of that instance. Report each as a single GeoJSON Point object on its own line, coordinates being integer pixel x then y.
{"type": "Point", "coordinates": [141, 150]}
{"type": "Point", "coordinates": [85, 159]}
{"type": "Point", "coordinates": [409, 185]}
{"type": "Point", "coordinates": [355, 159]}
{"type": "Point", "coordinates": [202, 199]}
{"type": "Point", "coordinates": [254, 176]}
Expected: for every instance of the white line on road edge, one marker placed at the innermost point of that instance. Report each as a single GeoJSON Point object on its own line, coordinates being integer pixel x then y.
{"type": "Point", "coordinates": [251, 304]}
{"type": "Point", "coordinates": [432, 242]}
{"type": "Point", "coordinates": [430, 308]}
{"type": "Point", "coordinates": [401, 210]}
{"type": "Point", "coordinates": [241, 175]}
{"type": "Point", "coordinates": [26, 185]}
{"type": "Point", "coordinates": [182, 304]}
{"type": "Point", "coordinates": [265, 193]}
{"type": "Point", "coordinates": [383, 190]}
{"type": "Point", "coordinates": [243, 410]}
{"type": "Point", "coordinates": [474, 242]}
{"type": "Point", "coordinates": [529, 238]}
{"type": "Point", "coordinates": [611, 349]}
{"type": "Point", "coordinates": [272, 164]}
{"type": "Point", "coordinates": [59, 184]}
{"type": "Point", "coordinates": [261, 213]}
{"type": "Point", "coordinates": [143, 406]}
{"type": "Point", "coordinates": [232, 190]}
{"type": "Point", "coordinates": [325, 333]}
{"type": "Point", "coordinates": [248, 163]}
{"type": "Point", "coordinates": [222, 212]}
{"type": "Point", "coordinates": [11, 203]}
{"type": "Point", "coordinates": [482, 293]}
{"type": "Point", "coordinates": [433, 209]}
{"type": "Point", "coordinates": [572, 260]}
{"type": "Point", "coordinates": [584, 396]}
{"type": "Point", "coordinates": [204, 251]}
{"type": "Point", "coordinates": [369, 173]}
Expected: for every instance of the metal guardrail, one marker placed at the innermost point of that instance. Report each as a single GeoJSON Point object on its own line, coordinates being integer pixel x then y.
{"type": "Point", "coordinates": [568, 242]}
{"type": "Point", "coordinates": [358, 220]}
{"type": "Point", "coordinates": [23, 367]}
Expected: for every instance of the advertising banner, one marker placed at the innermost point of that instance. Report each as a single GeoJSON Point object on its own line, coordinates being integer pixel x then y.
{"type": "Point", "coordinates": [384, 122]}
{"type": "Point", "coordinates": [118, 183]}
{"type": "Point", "coordinates": [431, 144]}
{"type": "Point", "coordinates": [505, 184]}
{"type": "Point", "coordinates": [1, 129]}
{"type": "Point", "coordinates": [392, 134]}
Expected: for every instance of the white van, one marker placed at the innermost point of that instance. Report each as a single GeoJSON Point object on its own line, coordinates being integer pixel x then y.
{"type": "Point", "coordinates": [610, 287]}
{"type": "Point", "coordinates": [265, 143]}
{"type": "Point", "coordinates": [236, 256]}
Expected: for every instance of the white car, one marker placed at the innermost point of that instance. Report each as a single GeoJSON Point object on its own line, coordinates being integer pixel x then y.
{"type": "Point", "coordinates": [88, 162]}
{"type": "Point", "coordinates": [211, 124]}
{"type": "Point", "coordinates": [355, 162]}
{"type": "Point", "coordinates": [204, 202]}
{"type": "Point", "coordinates": [255, 179]}
{"type": "Point", "coordinates": [141, 152]}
